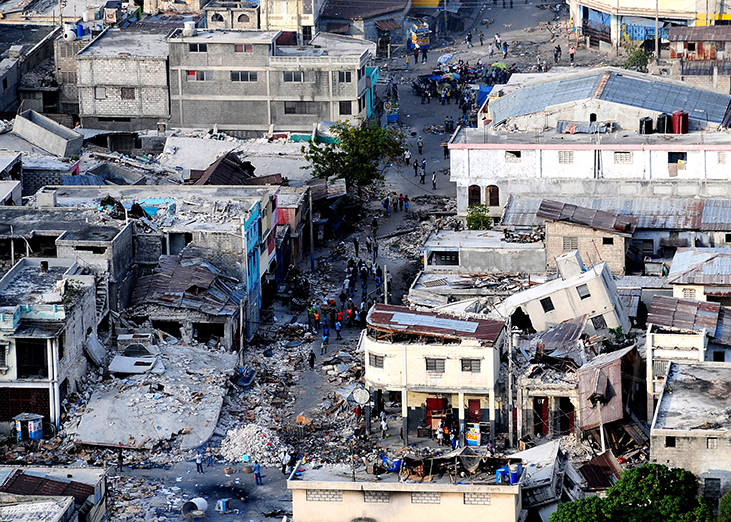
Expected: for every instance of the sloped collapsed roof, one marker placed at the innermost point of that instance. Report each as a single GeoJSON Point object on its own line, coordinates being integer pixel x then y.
{"type": "Point", "coordinates": [703, 266]}
{"type": "Point", "coordinates": [613, 85]}
{"type": "Point", "coordinates": [188, 283]}
{"type": "Point", "coordinates": [688, 314]}
{"type": "Point", "coordinates": [597, 219]}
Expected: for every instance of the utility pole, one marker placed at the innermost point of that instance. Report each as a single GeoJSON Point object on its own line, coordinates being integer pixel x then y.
{"type": "Point", "coordinates": [385, 284]}
{"type": "Point", "coordinates": [657, 31]}
{"type": "Point", "coordinates": [445, 17]}
{"type": "Point", "coordinates": [312, 237]}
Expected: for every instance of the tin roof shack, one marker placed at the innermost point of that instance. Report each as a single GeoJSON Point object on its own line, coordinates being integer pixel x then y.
{"type": "Point", "coordinates": [547, 383]}
{"type": "Point", "coordinates": [443, 366]}
{"type": "Point", "coordinates": [456, 485]}
{"type": "Point", "coordinates": [578, 291]}
{"type": "Point", "coordinates": [699, 55]}
{"type": "Point", "coordinates": [47, 312]}
{"type": "Point", "coordinates": [691, 428]}
{"type": "Point", "coordinates": [594, 233]}
{"type": "Point", "coordinates": [703, 274]}
{"type": "Point", "coordinates": [189, 297]}
{"type": "Point", "coordinates": [683, 330]}
{"type": "Point", "coordinates": [294, 213]}
{"type": "Point", "coordinates": [479, 252]}
{"type": "Point", "coordinates": [612, 400]}
{"type": "Point", "coordinates": [86, 488]}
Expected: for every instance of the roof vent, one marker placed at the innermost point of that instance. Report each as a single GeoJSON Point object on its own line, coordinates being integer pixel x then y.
{"type": "Point", "coordinates": [189, 29]}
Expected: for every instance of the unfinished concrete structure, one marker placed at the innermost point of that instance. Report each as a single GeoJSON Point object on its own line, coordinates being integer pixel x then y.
{"type": "Point", "coordinates": [47, 312]}
{"type": "Point", "coordinates": [567, 160]}
{"type": "Point", "coordinates": [122, 81]}
{"type": "Point", "coordinates": [329, 494]}
{"type": "Point", "coordinates": [232, 14]}
{"type": "Point", "coordinates": [691, 428]}
{"type": "Point", "coordinates": [598, 235]}
{"type": "Point", "coordinates": [444, 367]}
{"type": "Point", "coordinates": [64, 54]}
{"type": "Point", "coordinates": [245, 84]}
{"type": "Point", "coordinates": [683, 330]}
{"type": "Point", "coordinates": [578, 290]}
{"type": "Point", "coordinates": [39, 171]}
{"type": "Point", "coordinates": [480, 251]}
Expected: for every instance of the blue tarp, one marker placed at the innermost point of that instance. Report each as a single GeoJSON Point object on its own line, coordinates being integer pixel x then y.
{"type": "Point", "coordinates": [83, 179]}
{"type": "Point", "coordinates": [482, 94]}
{"type": "Point", "coordinates": [435, 77]}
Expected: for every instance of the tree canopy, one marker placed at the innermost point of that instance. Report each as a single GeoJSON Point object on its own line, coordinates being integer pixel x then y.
{"type": "Point", "coordinates": [649, 493]}
{"type": "Point", "coordinates": [478, 217]}
{"type": "Point", "coordinates": [357, 154]}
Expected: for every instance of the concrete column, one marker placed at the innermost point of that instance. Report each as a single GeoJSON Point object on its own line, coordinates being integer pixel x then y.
{"type": "Point", "coordinates": [405, 415]}
{"type": "Point", "coordinates": [577, 417]}
{"type": "Point", "coordinates": [520, 414]}
{"type": "Point", "coordinates": [492, 415]}
{"type": "Point", "coordinates": [461, 418]}
{"type": "Point", "coordinates": [552, 417]}
{"type": "Point", "coordinates": [368, 411]}
{"type": "Point", "coordinates": [12, 251]}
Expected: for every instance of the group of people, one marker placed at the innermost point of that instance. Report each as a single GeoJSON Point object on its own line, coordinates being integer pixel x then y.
{"type": "Point", "coordinates": [397, 204]}
{"type": "Point", "coordinates": [446, 435]}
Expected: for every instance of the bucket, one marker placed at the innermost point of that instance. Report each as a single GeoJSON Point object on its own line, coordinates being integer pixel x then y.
{"type": "Point", "coordinates": [194, 504]}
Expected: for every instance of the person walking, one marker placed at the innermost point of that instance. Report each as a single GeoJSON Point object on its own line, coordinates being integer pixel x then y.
{"type": "Point", "coordinates": [406, 203]}
{"type": "Point", "coordinates": [422, 176]}
{"type": "Point", "coordinates": [434, 180]}
{"type": "Point", "coordinates": [469, 39]}
{"type": "Point", "coordinates": [559, 52]}
{"type": "Point", "coordinates": [497, 40]}
{"type": "Point", "coordinates": [315, 320]}
{"type": "Point", "coordinates": [555, 54]}
{"type": "Point", "coordinates": [311, 358]}
{"type": "Point", "coordinates": [490, 51]}
{"type": "Point", "coordinates": [572, 52]}
{"type": "Point", "coordinates": [482, 38]}
{"type": "Point", "coordinates": [443, 96]}
{"type": "Point", "coordinates": [374, 227]}
{"type": "Point", "coordinates": [257, 473]}
{"type": "Point", "coordinates": [323, 346]}
{"type": "Point", "coordinates": [445, 145]}
{"type": "Point", "coordinates": [338, 327]}
{"type": "Point", "coordinates": [356, 245]}
{"type": "Point", "coordinates": [416, 55]}
{"type": "Point", "coordinates": [375, 252]}
{"type": "Point", "coordinates": [199, 463]}
{"type": "Point", "coordinates": [407, 156]}
{"type": "Point", "coordinates": [416, 167]}
{"type": "Point", "coordinates": [449, 96]}
{"type": "Point", "coordinates": [420, 145]}
{"type": "Point", "coordinates": [401, 201]}
{"type": "Point", "coordinates": [423, 164]}
{"type": "Point", "coordinates": [505, 50]}
{"type": "Point", "coordinates": [408, 61]}
{"type": "Point", "coordinates": [384, 428]}
{"type": "Point", "coordinates": [368, 244]}
{"type": "Point", "coordinates": [209, 456]}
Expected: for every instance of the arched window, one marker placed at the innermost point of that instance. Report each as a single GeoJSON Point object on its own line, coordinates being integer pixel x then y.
{"type": "Point", "coordinates": [492, 195]}
{"type": "Point", "coordinates": [473, 196]}
{"type": "Point", "coordinates": [592, 117]}
{"type": "Point", "coordinates": [244, 19]}
{"type": "Point", "coordinates": [216, 17]}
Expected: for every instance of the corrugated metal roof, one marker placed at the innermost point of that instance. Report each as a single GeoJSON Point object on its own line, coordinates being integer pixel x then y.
{"type": "Point", "coordinates": [651, 213]}
{"type": "Point", "coordinates": [21, 483]}
{"type": "Point", "coordinates": [705, 266]}
{"type": "Point", "coordinates": [535, 98]}
{"type": "Point", "coordinates": [683, 314]}
{"type": "Point", "coordinates": [602, 471]}
{"type": "Point", "coordinates": [188, 283]}
{"type": "Point", "coordinates": [617, 86]}
{"type": "Point", "coordinates": [609, 367]}
{"type": "Point", "coordinates": [656, 94]}
{"type": "Point", "coordinates": [357, 9]}
{"type": "Point", "coordinates": [716, 214]}
{"type": "Point", "coordinates": [402, 319]}
{"type": "Point", "coordinates": [597, 219]}
{"type": "Point", "coordinates": [708, 33]}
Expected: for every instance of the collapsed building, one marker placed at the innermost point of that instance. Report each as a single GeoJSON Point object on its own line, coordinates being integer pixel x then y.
{"type": "Point", "coordinates": [445, 368]}
{"type": "Point", "coordinates": [47, 319]}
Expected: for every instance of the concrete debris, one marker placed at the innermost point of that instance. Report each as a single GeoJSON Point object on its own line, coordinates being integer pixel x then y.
{"type": "Point", "coordinates": [252, 443]}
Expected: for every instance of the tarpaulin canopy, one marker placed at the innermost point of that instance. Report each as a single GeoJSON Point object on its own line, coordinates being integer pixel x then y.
{"type": "Point", "coordinates": [482, 94]}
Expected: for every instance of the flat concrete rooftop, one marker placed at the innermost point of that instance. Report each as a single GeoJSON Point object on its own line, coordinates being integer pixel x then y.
{"type": "Point", "coordinates": [696, 396]}
{"type": "Point", "coordinates": [120, 43]}
{"type": "Point", "coordinates": [474, 239]}
{"type": "Point", "coordinates": [26, 284]}
{"type": "Point", "coordinates": [226, 36]}
{"type": "Point", "coordinates": [28, 222]}
{"type": "Point", "coordinates": [550, 138]}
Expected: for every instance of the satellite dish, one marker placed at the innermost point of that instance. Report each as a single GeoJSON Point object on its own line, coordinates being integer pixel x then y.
{"type": "Point", "coordinates": [361, 396]}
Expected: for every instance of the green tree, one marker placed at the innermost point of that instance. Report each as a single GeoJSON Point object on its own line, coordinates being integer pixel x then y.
{"type": "Point", "coordinates": [637, 58]}
{"type": "Point", "coordinates": [356, 154]}
{"type": "Point", "coordinates": [724, 509]}
{"type": "Point", "coordinates": [478, 217]}
{"type": "Point", "coordinates": [649, 493]}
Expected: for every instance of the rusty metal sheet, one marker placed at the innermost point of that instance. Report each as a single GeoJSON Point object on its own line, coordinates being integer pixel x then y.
{"type": "Point", "coordinates": [393, 318]}
{"type": "Point", "coordinates": [710, 33]}
{"type": "Point", "coordinates": [590, 217]}
{"type": "Point", "coordinates": [21, 483]}
{"type": "Point", "coordinates": [683, 314]}
{"type": "Point", "coordinates": [609, 365]}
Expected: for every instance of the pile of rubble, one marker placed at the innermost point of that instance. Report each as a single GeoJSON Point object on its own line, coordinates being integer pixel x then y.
{"type": "Point", "coordinates": [252, 443]}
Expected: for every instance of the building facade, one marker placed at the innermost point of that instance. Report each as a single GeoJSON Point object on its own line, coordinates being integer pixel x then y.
{"type": "Point", "coordinates": [448, 371]}
{"type": "Point", "coordinates": [122, 81]}
{"type": "Point", "coordinates": [243, 83]}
